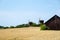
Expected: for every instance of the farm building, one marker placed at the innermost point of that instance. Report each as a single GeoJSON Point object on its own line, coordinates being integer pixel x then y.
{"type": "Point", "coordinates": [53, 23]}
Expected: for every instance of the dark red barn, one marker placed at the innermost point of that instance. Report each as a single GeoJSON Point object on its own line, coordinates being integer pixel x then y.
{"type": "Point", "coordinates": [53, 23]}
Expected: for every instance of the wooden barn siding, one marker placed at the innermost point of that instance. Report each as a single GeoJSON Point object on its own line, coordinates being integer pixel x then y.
{"type": "Point", "coordinates": [54, 24]}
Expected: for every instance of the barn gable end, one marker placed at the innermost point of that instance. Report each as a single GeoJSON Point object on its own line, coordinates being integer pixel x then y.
{"type": "Point", "coordinates": [53, 23]}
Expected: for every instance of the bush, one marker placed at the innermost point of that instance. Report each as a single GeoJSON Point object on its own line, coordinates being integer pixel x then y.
{"type": "Point", "coordinates": [1, 27]}
{"type": "Point", "coordinates": [12, 27]}
{"type": "Point", "coordinates": [22, 25]}
{"type": "Point", "coordinates": [26, 25]}
{"type": "Point", "coordinates": [6, 27]}
{"type": "Point", "coordinates": [30, 23]}
{"type": "Point", "coordinates": [33, 24]}
{"type": "Point", "coordinates": [43, 27]}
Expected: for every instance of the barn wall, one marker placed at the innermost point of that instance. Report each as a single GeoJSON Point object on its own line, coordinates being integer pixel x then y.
{"type": "Point", "coordinates": [54, 24]}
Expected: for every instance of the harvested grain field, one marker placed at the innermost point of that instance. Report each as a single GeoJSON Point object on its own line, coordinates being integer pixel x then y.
{"type": "Point", "coordinates": [30, 33]}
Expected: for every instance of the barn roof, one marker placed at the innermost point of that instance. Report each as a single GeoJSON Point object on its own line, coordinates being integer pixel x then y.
{"type": "Point", "coordinates": [53, 18]}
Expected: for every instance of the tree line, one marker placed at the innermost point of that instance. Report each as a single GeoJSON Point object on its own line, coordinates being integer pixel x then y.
{"type": "Point", "coordinates": [30, 24]}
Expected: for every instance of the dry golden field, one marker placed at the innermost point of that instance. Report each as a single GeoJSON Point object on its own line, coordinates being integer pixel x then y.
{"type": "Point", "coordinates": [30, 33]}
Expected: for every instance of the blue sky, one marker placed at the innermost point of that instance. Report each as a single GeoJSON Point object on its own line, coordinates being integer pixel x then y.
{"type": "Point", "coordinates": [15, 12]}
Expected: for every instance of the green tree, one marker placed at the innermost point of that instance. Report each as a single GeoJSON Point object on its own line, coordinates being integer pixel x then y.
{"type": "Point", "coordinates": [30, 23]}
{"type": "Point", "coordinates": [42, 25]}
{"type": "Point", "coordinates": [12, 27]}
{"type": "Point", "coordinates": [1, 27]}
{"type": "Point", "coordinates": [22, 25]}
{"type": "Point", "coordinates": [6, 27]}
{"type": "Point", "coordinates": [33, 24]}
